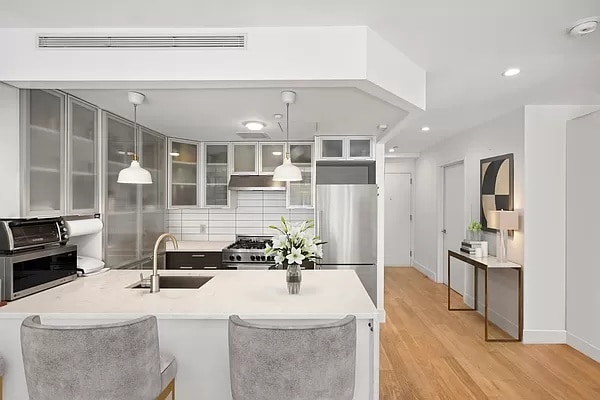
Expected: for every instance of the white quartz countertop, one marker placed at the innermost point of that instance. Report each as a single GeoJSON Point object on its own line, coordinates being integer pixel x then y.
{"type": "Point", "coordinates": [325, 294]}
{"type": "Point", "coordinates": [195, 245]}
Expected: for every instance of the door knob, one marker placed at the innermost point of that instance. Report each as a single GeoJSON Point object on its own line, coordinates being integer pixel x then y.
{"type": "Point", "coordinates": [443, 231]}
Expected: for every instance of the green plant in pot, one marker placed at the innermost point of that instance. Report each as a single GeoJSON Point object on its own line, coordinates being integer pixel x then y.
{"type": "Point", "coordinates": [291, 246]}
{"type": "Point", "coordinates": [475, 230]}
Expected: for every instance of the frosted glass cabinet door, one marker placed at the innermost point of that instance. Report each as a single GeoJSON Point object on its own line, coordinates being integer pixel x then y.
{"type": "Point", "coordinates": [216, 175]}
{"type": "Point", "coordinates": [153, 196]}
{"type": "Point", "coordinates": [244, 158]}
{"type": "Point", "coordinates": [271, 156]}
{"type": "Point", "coordinates": [45, 130]}
{"type": "Point", "coordinates": [83, 139]}
{"type": "Point", "coordinates": [121, 204]}
{"type": "Point", "coordinates": [184, 174]}
{"type": "Point", "coordinates": [300, 194]}
{"type": "Point", "coordinates": [332, 148]}
{"type": "Point", "coordinates": [360, 148]}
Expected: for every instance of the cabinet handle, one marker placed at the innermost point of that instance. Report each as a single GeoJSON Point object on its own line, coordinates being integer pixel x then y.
{"type": "Point", "coordinates": [210, 267]}
{"type": "Point", "coordinates": [186, 267]}
{"type": "Point", "coordinates": [198, 255]}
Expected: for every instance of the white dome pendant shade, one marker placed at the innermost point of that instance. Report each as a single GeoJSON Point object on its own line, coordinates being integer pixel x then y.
{"type": "Point", "coordinates": [135, 174]}
{"type": "Point", "coordinates": [287, 172]}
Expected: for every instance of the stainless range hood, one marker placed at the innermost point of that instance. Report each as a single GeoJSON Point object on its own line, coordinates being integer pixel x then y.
{"type": "Point", "coordinates": [254, 182]}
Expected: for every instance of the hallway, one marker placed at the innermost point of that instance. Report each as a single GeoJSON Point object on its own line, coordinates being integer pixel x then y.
{"type": "Point", "coordinates": [428, 352]}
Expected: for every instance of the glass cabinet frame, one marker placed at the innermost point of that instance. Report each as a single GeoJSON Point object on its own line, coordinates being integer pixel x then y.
{"type": "Point", "coordinates": [306, 168]}
{"type": "Point", "coordinates": [256, 158]}
{"type": "Point", "coordinates": [27, 158]}
{"type": "Point", "coordinates": [204, 172]}
{"type": "Point", "coordinates": [346, 147]}
{"type": "Point", "coordinates": [261, 167]}
{"type": "Point", "coordinates": [71, 153]}
{"type": "Point", "coordinates": [198, 173]}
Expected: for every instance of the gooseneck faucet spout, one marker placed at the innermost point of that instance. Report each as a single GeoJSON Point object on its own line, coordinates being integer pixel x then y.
{"type": "Point", "coordinates": [155, 278]}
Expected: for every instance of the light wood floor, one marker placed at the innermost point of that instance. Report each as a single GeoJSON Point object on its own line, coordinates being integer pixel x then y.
{"type": "Point", "coordinates": [428, 352]}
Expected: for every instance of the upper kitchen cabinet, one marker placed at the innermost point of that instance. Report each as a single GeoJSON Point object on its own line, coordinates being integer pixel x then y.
{"type": "Point", "coordinates": [271, 156]}
{"type": "Point", "coordinates": [300, 194]}
{"type": "Point", "coordinates": [345, 148]}
{"type": "Point", "coordinates": [183, 167]}
{"type": "Point", "coordinates": [245, 159]}
{"type": "Point", "coordinates": [43, 122]}
{"type": "Point", "coordinates": [216, 175]}
{"type": "Point", "coordinates": [59, 154]}
{"type": "Point", "coordinates": [82, 147]}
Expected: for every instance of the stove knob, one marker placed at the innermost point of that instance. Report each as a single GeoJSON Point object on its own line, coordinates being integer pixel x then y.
{"type": "Point", "coordinates": [263, 258]}
{"type": "Point", "coordinates": [239, 258]}
{"type": "Point", "coordinates": [252, 258]}
{"type": "Point", "coordinates": [231, 258]}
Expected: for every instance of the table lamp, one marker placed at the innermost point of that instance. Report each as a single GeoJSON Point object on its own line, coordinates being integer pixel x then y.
{"type": "Point", "coordinates": [502, 221]}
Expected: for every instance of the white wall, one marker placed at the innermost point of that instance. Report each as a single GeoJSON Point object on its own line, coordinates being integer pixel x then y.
{"type": "Point", "coordinates": [9, 152]}
{"type": "Point", "coordinates": [545, 221]}
{"type": "Point", "coordinates": [583, 275]}
{"type": "Point", "coordinates": [500, 136]}
{"type": "Point", "coordinates": [400, 165]}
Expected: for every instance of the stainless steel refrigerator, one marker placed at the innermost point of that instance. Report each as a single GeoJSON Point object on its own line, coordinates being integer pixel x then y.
{"type": "Point", "coordinates": [346, 218]}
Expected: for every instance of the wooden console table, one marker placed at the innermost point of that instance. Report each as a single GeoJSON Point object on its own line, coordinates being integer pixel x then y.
{"type": "Point", "coordinates": [486, 264]}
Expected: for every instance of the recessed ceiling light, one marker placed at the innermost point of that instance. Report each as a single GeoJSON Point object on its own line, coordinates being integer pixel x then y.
{"type": "Point", "coordinates": [392, 150]}
{"type": "Point", "coordinates": [511, 72]}
{"type": "Point", "coordinates": [425, 129]}
{"type": "Point", "coordinates": [254, 125]}
{"type": "Point", "coordinates": [174, 154]}
{"type": "Point", "coordinates": [584, 26]}
{"type": "Point", "coordinates": [277, 116]}
{"type": "Point", "coordinates": [382, 127]}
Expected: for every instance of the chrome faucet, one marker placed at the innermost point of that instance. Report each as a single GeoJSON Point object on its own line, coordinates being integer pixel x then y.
{"type": "Point", "coordinates": [155, 277]}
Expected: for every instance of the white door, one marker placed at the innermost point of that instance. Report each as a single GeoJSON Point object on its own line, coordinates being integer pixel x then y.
{"type": "Point", "coordinates": [397, 220]}
{"type": "Point", "coordinates": [454, 222]}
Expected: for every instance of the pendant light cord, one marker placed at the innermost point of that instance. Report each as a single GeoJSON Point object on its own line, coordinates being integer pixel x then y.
{"type": "Point", "coordinates": [287, 129]}
{"type": "Point", "coordinates": [135, 157]}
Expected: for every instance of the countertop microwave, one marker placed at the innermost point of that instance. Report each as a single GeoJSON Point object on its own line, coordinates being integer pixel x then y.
{"type": "Point", "coordinates": [32, 271]}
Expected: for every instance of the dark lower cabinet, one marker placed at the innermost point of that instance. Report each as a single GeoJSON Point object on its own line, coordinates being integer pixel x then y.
{"type": "Point", "coordinates": [194, 260]}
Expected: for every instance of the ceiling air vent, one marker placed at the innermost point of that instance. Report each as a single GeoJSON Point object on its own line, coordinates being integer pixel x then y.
{"type": "Point", "coordinates": [253, 135]}
{"type": "Point", "coordinates": [128, 42]}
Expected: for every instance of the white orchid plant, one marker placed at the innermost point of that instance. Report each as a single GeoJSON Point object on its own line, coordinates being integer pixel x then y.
{"type": "Point", "coordinates": [294, 243]}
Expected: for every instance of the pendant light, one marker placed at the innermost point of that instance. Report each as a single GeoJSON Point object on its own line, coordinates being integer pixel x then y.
{"type": "Point", "coordinates": [287, 172]}
{"type": "Point", "coordinates": [135, 174]}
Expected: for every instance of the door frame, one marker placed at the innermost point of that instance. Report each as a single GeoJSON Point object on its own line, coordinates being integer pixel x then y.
{"type": "Point", "coordinates": [411, 239]}
{"type": "Point", "coordinates": [440, 205]}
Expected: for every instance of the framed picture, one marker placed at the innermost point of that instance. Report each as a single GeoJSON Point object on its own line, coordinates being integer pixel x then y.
{"type": "Point", "coordinates": [497, 186]}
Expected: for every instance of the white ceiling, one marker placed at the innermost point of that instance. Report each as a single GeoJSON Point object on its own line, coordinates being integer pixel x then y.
{"type": "Point", "coordinates": [218, 114]}
{"type": "Point", "coordinates": [464, 45]}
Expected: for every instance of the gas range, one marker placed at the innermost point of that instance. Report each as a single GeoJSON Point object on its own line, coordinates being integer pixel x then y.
{"type": "Point", "coordinates": [248, 252]}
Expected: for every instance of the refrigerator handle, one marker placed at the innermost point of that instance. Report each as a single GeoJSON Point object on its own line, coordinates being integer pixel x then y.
{"type": "Point", "coordinates": [319, 219]}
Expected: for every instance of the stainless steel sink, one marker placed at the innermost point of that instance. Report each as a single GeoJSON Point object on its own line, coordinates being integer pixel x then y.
{"type": "Point", "coordinates": [177, 282]}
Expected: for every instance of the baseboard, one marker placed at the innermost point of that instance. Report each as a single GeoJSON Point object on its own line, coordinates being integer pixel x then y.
{"type": "Point", "coordinates": [583, 346]}
{"type": "Point", "coordinates": [381, 315]}
{"type": "Point", "coordinates": [532, 336]}
{"type": "Point", "coordinates": [424, 270]}
{"type": "Point", "coordinates": [500, 320]}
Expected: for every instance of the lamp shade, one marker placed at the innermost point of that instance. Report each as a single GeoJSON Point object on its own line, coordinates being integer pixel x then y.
{"type": "Point", "coordinates": [508, 220]}
{"type": "Point", "coordinates": [287, 172]}
{"type": "Point", "coordinates": [134, 174]}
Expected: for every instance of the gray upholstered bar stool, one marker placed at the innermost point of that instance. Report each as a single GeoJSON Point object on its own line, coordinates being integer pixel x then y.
{"type": "Point", "coordinates": [96, 362]}
{"type": "Point", "coordinates": [292, 362]}
{"type": "Point", "coordinates": [1, 375]}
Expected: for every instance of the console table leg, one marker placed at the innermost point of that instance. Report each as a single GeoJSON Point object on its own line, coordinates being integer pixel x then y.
{"type": "Point", "coordinates": [486, 305]}
{"type": "Point", "coordinates": [449, 281]}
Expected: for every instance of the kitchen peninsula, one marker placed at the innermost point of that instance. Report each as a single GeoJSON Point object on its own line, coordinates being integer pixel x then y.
{"type": "Point", "coordinates": [193, 322]}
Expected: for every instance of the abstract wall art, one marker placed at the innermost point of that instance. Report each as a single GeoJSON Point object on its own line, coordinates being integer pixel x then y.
{"type": "Point", "coordinates": [497, 185]}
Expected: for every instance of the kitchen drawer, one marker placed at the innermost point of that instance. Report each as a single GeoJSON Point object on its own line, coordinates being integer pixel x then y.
{"type": "Point", "coordinates": [194, 260]}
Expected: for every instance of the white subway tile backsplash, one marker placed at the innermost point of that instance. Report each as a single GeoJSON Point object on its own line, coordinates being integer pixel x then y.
{"type": "Point", "coordinates": [221, 238]}
{"type": "Point", "coordinates": [254, 213]}
{"type": "Point", "coordinates": [197, 237]}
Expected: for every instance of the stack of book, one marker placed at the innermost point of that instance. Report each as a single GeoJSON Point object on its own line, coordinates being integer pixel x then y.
{"type": "Point", "coordinates": [469, 246]}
